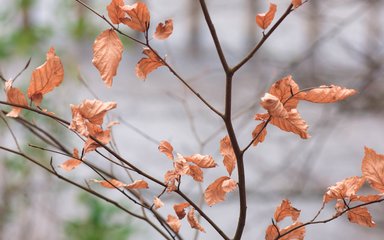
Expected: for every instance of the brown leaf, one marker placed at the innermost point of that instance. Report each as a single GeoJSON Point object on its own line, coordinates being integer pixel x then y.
{"type": "Point", "coordinates": [326, 94]}
{"type": "Point", "coordinates": [166, 148]}
{"type": "Point", "coordinates": [262, 117]}
{"type": "Point", "coordinates": [115, 12]}
{"type": "Point", "coordinates": [257, 135]}
{"type": "Point", "coordinates": [297, 234]}
{"type": "Point", "coordinates": [171, 178]}
{"type": "Point", "coordinates": [137, 184]}
{"type": "Point", "coordinates": [203, 161]}
{"type": "Point", "coordinates": [139, 16]}
{"type": "Point", "coordinates": [365, 198]}
{"type": "Point", "coordinates": [72, 163]}
{"type": "Point", "coordinates": [283, 90]}
{"type": "Point", "coordinates": [227, 152]}
{"type": "Point", "coordinates": [286, 210]}
{"type": "Point", "coordinates": [180, 164]}
{"type": "Point", "coordinates": [296, 3]}
{"type": "Point", "coordinates": [46, 77]}
{"type": "Point", "coordinates": [373, 169]}
{"type": "Point", "coordinates": [196, 173]}
{"type": "Point", "coordinates": [273, 105]}
{"type": "Point", "coordinates": [157, 203]}
{"type": "Point", "coordinates": [294, 123]}
{"type": "Point", "coordinates": [15, 96]}
{"type": "Point", "coordinates": [229, 185]}
{"type": "Point", "coordinates": [174, 223]}
{"type": "Point", "coordinates": [215, 192]}
{"type": "Point", "coordinates": [103, 136]}
{"type": "Point", "coordinates": [180, 209]}
{"type": "Point", "coordinates": [344, 189]}
{"type": "Point", "coordinates": [111, 183]}
{"type": "Point", "coordinates": [361, 216]}
{"type": "Point", "coordinates": [193, 220]}
{"type": "Point", "coordinates": [265, 19]}
{"type": "Point", "coordinates": [164, 30]}
{"type": "Point", "coordinates": [272, 232]}
{"type": "Point", "coordinates": [107, 53]}
{"type": "Point", "coordinates": [148, 64]}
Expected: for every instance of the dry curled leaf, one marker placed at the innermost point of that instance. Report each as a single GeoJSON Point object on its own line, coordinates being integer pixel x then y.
{"type": "Point", "coordinates": [193, 220]}
{"type": "Point", "coordinates": [297, 234]}
{"type": "Point", "coordinates": [344, 189]}
{"type": "Point", "coordinates": [293, 123]}
{"type": "Point", "coordinates": [215, 192]}
{"type": "Point", "coordinates": [180, 209]}
{"type": "Point", "coordinates": [174, 223]}
{"type": "Point", "coordinates": [196, 173]}
{"type": "Point", "coordinates": [272, 232]}
{"type": "Point", "coordinates": [166, 148]}
{"type": "Point", "coordinates": [273, 105]}
{"type": "Point", "coordinates": [157, 203]}
{"type": "Point", "coordinates": [286, 210]}
{"type": "Point", "coordinates": [326, 94]}
{"type": "Point", "coordinates": [366, 198]}
{"type": "Point", "coordinates": [107, 53]}
{"type": "Point", "coordinates": [285, 89]}
{"type": "Point", "coordinates": [265, 19]}
{"type": "Point", "coordinates": [229, 185]}
{"type": "Point", "coordinates": [164, 30]}
{"type": "Point", "coordinates": [361, 216]}
{"type": "Point", "coordinates": [139, 16]}
{"type": "Point", "coordinates": [46, 77]}
{"type": "Point", "coordinates": [14, 96]}
{"type": "Point", "coordinates": [111, 183]}
{"type": "Point", "coordinates": [259, 133]}
{"type": "Point", "coordinates": [373, 169]}
{"type": "Point", "coordinates": [227, 152]}
{"type": "Point", "coordinates": [72, 163]}
{"type": "Point", "coordinates": [137, 184]}
{"type": "Point", "coordinates": [103, 136]}
{"type": "Point", "coordinates": [203, 161]}
{"type": "Point", "coordinates": [148, 64]}
{"type": "Point", "coordinates": [115, 12]}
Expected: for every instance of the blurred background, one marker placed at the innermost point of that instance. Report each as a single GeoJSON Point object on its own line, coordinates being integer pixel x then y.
{"type": "Point", "coordinates": [322, 42]}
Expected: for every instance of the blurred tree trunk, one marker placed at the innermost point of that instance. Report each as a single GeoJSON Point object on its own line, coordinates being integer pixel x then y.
{"type": "Point", "coordinates": [194, 45]}
{"type": "Point", "coordinates": [313, 34]}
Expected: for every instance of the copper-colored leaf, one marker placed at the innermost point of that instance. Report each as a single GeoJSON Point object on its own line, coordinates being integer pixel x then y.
{"type": "Point", "coordinates": [166, 148]}
{"type": "Point", "coordinates": [107, 53]}
{"type": "Point", "coordinates": [344, 189]}
{"type": "Point", "coordinates": [284, 89]}
{"type": "Point", "coordinates": [72, 163]}
{"type": "Point", "coordinates": [229, 185]}
{"type": "Point", "coordinates": [148, 64]}
{"type": "Point", "coordinates": [373, 169]}
{"type": "Point", "coordinates": [296, 3]}
{"type": "Point", "coordinates": [366, 198]}
{"type": "Point", "coordinates": [15, 96]}
{"type": "Point", "coordinates": [297, 234]}
{"type": "Point", "coordinates": [227, 152]}
{"type": "Point", "coordinates": [171, 178]}
{"type": "Point", "coordinates": [361, 216]}
{"type": "Point", "coordinates": [193, 220]}
{"type": "Point", "coordinates": [180, 164]}
{"type": "Point", "coordinates": [174, 223]}
{"type": "Point", "coordinates": [158, 203]}
{"type": "Point", "coordinates": [115, 12]}
{"type": "Point", "coordinates": [265, 19]}
{"type": "Point", "coordinates": [262, 117]}
{"type": "Point", "coordinates": [139, 16]}
{"type": "Point", "coordinates": [46, 77]}
{"type": "Point", "coordinates": [294, 123]}
{"type": "Point", "coordinates": [273, 105]}
{"type": "Point", "coordinates": [286, 210]}
{"type": "Point", "coordinates": [196, 173]}
{"type": "Point", "coordinates": [259, 133]}
{"type": "Point", "coordinates": [103, 136]}
{"type": "Point", "coordinates": [111, 183]}
{"type": "Point", "coordinates": [215, 192]}
{"type": "Point", "coordinates": [272, 232]}
{"type": "Point", "coordinates": [164, 30]}
{"type": "Point", "coordinates": [137, 184]}
{"type": "Point", "coordinates": [326, 94]}
{"type": "Point", "coordinates": [203, 161]}
{"type": "Point", "coordinates": [180, 209]}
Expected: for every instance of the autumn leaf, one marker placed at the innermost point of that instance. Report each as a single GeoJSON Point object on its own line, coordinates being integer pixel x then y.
{"type": "Point", "coordinates": [203, 161]}
{"type": "Point", "coordinates": [107, 53]}
{"type": "Point", "coordinates": [111, 183]}
{"type": "Point", "coordinates": [373, 169]}
{"type": "Point", "coordinates": [193, 220]}
{"type": "Point", "coordinates": [46, 77]}
{"type": "Point", "coordinates": [196, 173]}
{"type": "Point", "coordinates": [229, 185]}
{"type": "Point", "coordinates": [344, 189]}
{"type": "Point", "coordinates": [72, 163]}
{"type": "Point", "coordinates": [103, 136]}
{"type": "Point", "coordinates": [215, 192]}
{"type": "Point", "coordinates": [227, 152]}
{"type": "Point", "coordinates": [174, 223]}
{"type": "Point", "coordinates": [285, 89]}
{"type": "Point", "coordinates": [272, 232]}
{"type": "Point", "coordinates": [137, 184]}
{"type": "Point", "coordinates": [157, 203]}
{"type": "Point", "coordinates": [171, 178]}
{"type": "Point", "coordinates": [273, 105]}
{"type": "Point", "coordinates": [366, 198]}
{"type": "Point", "coordinates": [265, 19]}
{"type": "Point", "coordinates": [294, 123]}
{"type": "Point", "coordinates": [297, 234]}
{"type": "Point", "coordinates": [286, 210]}
{"type": "Point", "coordinates": [180, 209]}
{"type": "Point", "coordinates": [139, 16]}
{"type": "Point", "coordinates": [166, 148]}
{"type": "Point", "coordinates": [361, 216]}
{"type": "Point", "coordinates": [164, 30]}
{"type": "Point", "coordinates": [14, 96]}
{"type": "Point", "coordinates": [180, 164]}
{"type": "Point", "coordinates": [148, 64]}
{"type": "Point", "coordinates": [326, 94]}
{"type": "Point", "coordinates": [296, 3]}
{"type": "Point", "coordinates": [259, 133]}
{"type": "Point", "coordinates": [115, 12]}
